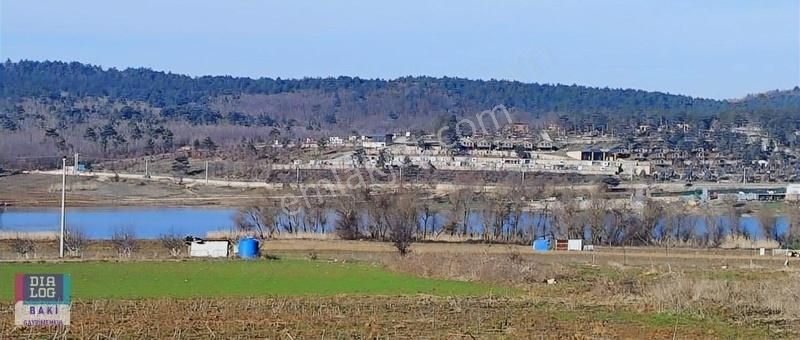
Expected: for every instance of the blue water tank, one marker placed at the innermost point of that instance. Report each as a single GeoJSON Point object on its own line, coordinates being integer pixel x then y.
{"type": "Point", "coordinates": [541, 244]}
{"type": "Point", "coordinates": [248, 248]}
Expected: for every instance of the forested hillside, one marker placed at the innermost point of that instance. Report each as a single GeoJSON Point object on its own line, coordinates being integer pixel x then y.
{"type": "Point", "coordinates": [50, 107]}
{"type": "Point", "coordinates": [50, 79]}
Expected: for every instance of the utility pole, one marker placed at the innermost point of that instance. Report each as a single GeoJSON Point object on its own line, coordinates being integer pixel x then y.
{"type": "Point", "coordinates": [146, 170]}
{"type": "Point", "coordinates": [75, 165]}
{"type": "Point", "coordinates": [63, 205]}
{"type": "Point", "coordinates": [744, 175]}
{"type": "Point", "coordinates": [206, 172]}
{"type": "Point", "coordinates": [523, 176]}
{"type": "Point", "coordinates": [297, 173]}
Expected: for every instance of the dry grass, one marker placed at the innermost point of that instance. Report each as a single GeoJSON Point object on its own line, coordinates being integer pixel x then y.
{"type": "Point", "coordinates": [763, 299]}
{"type": "Point", "coordinates": [510, 268]}
{"type": "Point", "coordinates": [738, 242]}
{"type": "Point", "coordinates": [29, 235]}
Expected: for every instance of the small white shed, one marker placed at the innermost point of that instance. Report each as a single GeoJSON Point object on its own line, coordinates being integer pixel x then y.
{"type": "Point", "coordinates": [575, 245]}
{"type": "Point", "coordinates": [205, 248]}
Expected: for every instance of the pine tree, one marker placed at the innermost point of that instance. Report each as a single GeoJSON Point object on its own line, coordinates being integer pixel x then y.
{"type": "Point", "coordinates": [90, 134]}
{"type": "Point", "coordinates": [180, 165]}
{"type": "Point", "coordinates": [209, 144]}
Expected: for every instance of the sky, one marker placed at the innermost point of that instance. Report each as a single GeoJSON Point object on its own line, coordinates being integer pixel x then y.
{"type": "Point", "coordinates": [712, 48]}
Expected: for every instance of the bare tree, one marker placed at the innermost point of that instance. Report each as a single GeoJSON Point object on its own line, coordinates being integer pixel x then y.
{"type": "Point", "coordinates": [792, 236]}
{"type": "Point", "coordinates": [124, 241]}
{"type": "Point", "coordinates": [567, 219]}
{"type": "Point", "coordinates": [649, 217]}
{"type": "Point", "coordinates": [257, 219]}
{"type": "Point", "coordinates": [495, 212]}
{"type": "Point", "coordinates": [172, 242]}
{"type": "Point", "coordinates": [377, 209]}
{"type": "Point", "coordinates": [734, 219]}
{"type": "Point", "coordinates": [316, 215]}
{"type": "Point", "coordinates": [402, 220]}
{"type": "Point", "coordinates": [768, 223]}
{"type": "Point", "coordinates": [516, 201]}
{"type": "Point", "coordinates": [620, 223]}
{"type": "Point", "coordinates": [428, 214]}
{"type": "Point", "coordinates": [686, 228]}
{"type": "Point", "coordinates": [596, 212]}
{"type": "Point", "coordinates": [713, 230]}
{"type": "Point", "coordinates": [347, 223]}
{"type": "Point", "coordinates": [75, 241]}
{"type": "Point", "coordinates": [23, 247]}
{"type": "Point", "coordinates": [461, 201]}
{"type": "Point", "coordinates": [291, 220]}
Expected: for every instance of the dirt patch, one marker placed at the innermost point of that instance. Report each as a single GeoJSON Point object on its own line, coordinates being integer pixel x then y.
{"type": "Point", "coordinates": [32, 190]}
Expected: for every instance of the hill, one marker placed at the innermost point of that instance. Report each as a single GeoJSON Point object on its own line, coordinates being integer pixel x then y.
{"type": "Point", "coordinates": [99, 111]}
{"type": "Point", "coordinates": [403, 96]}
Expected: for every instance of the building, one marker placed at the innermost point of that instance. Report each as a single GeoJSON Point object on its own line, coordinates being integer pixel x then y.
{"type": "Point", "coordinates": [593, 154]}
{"type": "Point", "coordinates": [335, 141]}
{"type": "Point", "coordinates": [519, 129]}
{"type": "Point", "coordinates": [545, 145]}
{"type": "Point", "coordinates": [309, 144]}
{"type": "Point", "coordinates": [375, 142]}
{"type": "Point", "coordinates": [793, 192]}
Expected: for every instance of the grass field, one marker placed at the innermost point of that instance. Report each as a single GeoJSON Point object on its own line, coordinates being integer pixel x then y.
{"type": "Point", "coordinates": [133, 280]}
{"type": "Point", "coordinates": [458, 292]}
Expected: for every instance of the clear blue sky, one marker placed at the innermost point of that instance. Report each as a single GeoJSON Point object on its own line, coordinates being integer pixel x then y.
{"type": "Point", "coordinates": [708, 48]}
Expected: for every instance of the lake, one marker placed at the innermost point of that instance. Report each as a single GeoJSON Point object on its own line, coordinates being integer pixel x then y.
{"type": "Point", "coordinates": [150, 222]}
{"type": "Point", "coordinates": [101, 223]}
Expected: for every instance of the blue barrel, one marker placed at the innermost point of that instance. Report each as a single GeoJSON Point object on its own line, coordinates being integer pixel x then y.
{"type": "Point", "coordinates": [541, 244]}
{"type": "Point", "coordinates": [248, 248]}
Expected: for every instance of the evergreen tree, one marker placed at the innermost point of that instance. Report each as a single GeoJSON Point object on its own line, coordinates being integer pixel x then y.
{"type": "Point", "coordinates": [180, 165]}
{"type": "Point", "coordinates": [90, 134]}
{"type": "Point", "coordinates": [209, 144]}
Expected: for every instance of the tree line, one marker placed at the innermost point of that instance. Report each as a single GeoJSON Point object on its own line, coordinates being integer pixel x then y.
{"type": "Point", "coordinates": [507, 216]}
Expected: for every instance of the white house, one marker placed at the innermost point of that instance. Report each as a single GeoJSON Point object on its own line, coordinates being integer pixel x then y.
{"type": "Point", "coordinates": [374, 142]}
{"type": "Point", "coordinates": [335, 141]}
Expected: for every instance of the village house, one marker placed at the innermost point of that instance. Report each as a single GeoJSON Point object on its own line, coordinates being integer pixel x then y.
{"type": "Point", "coordinates": [335, 141]}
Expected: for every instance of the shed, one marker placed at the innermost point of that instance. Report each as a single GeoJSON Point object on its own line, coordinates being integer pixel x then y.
{"type": "Point", "coordinates": [575, 245]}
{"type": "Point", "coordinates": [206, 248]}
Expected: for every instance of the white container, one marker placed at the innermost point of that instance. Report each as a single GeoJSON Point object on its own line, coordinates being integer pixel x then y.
{"type": "Point", "coordinates": [209, 249]}
{"type": "Point", "coordinates": [575, 245]}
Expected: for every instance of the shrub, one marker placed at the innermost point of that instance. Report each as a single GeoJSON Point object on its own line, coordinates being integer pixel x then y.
{"type": "Point", "coordinates": [23, 247]}
{"type": "Point", "coordinates": [172, 242]}
{"type": "Point", "coordinates": [75, 241]}
{"type": "Point", "coordinates": [124, 241]}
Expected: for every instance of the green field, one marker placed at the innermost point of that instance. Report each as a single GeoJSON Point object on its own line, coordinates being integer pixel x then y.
{"type": "Point", "coordinates": [131, 280]}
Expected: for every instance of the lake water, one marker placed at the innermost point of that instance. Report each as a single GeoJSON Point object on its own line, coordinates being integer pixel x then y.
{"type": "Point", "coordinates": [100, 223]}
{"type": "Point", "coordinates": [149, 223]}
